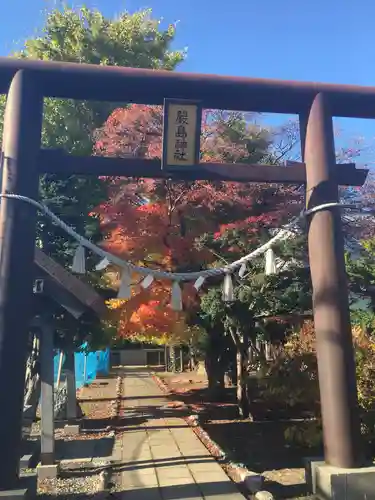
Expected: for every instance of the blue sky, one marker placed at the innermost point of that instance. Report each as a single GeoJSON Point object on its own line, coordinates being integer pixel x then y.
{"type": "Point", "coordinates": [324, 40]}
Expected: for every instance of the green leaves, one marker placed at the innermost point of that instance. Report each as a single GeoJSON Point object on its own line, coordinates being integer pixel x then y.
{"type": "Point", "coordinates": [85, 35]}
{"type": "Point", "coordinates": [259, 297]}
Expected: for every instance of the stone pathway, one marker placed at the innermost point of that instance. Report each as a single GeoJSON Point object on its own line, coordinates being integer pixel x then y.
{"type": "Point", "coordinates": [163, 458]}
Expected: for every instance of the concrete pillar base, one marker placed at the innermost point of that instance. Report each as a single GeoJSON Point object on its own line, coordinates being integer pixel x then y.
{"type": "Point", "coordinates": [47, 471]}
{"type": "Point", "coordinates": [328, 482]}
{"type": "Point", "coordinates": [72, 429]}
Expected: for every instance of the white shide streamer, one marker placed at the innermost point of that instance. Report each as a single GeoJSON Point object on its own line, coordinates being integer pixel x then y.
{"type": "Point", "coordinates": [79, 260]}
{"type": "Point", "coordinates": [103, 264]}
{"type": "Point", "coordinates": [270, 266]}
{"type": "Point", "coordinates": [228, 292]}
{"type": "Point", "coordinates": [242, 271]}
{"type": "Point", "coordinates": [125, 291]}
{"type": "Point", "coordinates": [146, 283]}
{"type": "Point", "coordinates": [199, 283]}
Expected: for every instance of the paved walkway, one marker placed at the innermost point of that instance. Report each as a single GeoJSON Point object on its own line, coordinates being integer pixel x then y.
{"type": "Point", "coordinates": [163, 458]}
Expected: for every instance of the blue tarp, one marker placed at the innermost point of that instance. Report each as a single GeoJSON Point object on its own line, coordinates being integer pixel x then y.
{"type": "Point", "coordinates": [102, 365]}
{"type": "Point", "coordinates": [96, 363]}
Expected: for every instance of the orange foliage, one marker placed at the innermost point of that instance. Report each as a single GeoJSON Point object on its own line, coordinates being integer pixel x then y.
{"type": "Point", "coordinates": [156, 222]}
{"type": "Point", "coordinates": [147, 316]}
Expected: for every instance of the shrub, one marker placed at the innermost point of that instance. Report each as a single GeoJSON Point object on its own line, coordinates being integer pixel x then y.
{"type": "Point", "coordinates": [365, 359]}
{"type": "Point", "coordinates": [291, 382]}
{"type": "Point", "coordinates": [307, 435]}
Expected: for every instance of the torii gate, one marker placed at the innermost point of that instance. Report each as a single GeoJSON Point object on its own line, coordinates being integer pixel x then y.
{"type": "Point", "coordinates": [28, 81]}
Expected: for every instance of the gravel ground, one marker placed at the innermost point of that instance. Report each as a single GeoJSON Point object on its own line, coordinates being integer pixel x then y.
{"type": "Point", "coordinates": [107, 389]}
{"type": "Point", "coordinates": [64, 488]}
{"type": "Point", "coordinates": [71, 484]}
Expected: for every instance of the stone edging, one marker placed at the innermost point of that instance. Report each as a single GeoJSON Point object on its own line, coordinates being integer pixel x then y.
{"type": "Point", "coordinates": [249, 481]}
{"type": "Point", "coordinates": [116, 403]}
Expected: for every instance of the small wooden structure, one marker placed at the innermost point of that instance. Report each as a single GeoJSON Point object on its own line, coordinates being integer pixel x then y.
{"type": "Point", "coordinates": [67, 290]}
{"type": "Point", "coordinates": [55, 286]}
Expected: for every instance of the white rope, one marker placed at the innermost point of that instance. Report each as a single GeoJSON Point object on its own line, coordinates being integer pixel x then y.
{"type": "Point", "coordinates": [324, 206]}
{"type": "Point", "coordinates": [282, 234]}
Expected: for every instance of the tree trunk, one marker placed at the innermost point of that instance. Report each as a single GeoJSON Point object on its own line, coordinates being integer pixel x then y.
{"type": "Point", "coordinates": [215, 375]}
{"type": "Point", "coordinates": [181, 360]}
{"type": "Point", "coordinates": [269, 351]}
{"type": "Point", "coordinates": [242, 382]}
{"type": "Point", "coordinates": [172, 358]}
{"type": "Point", "coordinates": [192, 362]}
{"type": "Point", "coordinates": [251, 355]}
{"type": "Point", "coordinates": [261, 351]}
{"type": "Point", "coordinates": [242, 361]}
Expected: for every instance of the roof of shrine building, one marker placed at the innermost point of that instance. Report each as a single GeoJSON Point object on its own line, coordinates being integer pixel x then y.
{"type": "Point", "coordinates": [73, 294]}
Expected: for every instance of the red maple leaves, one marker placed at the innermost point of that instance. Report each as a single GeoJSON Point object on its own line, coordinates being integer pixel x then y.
{"type": "Point", "coordinates": [156, 222]}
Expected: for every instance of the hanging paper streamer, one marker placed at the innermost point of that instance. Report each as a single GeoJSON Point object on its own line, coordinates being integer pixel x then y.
{"type": "Point", "coordinates": [176, 299]}
{"type": "Point", "coordinates": [198, 284]}
{"type": "Point", "coordinates": [79, 260]}
{"type": "Point", "coordinates": [102, 264]}
{"type": "Point", "coordinates": [228, 293]}
{"type": "Point", "coordinates": [125, 291]}
{"type": "Point", "coordinates": [147, 281]}
{"type": "Point", "coordinates": [270, 267]}
{"type": "Point", "coordinates": [242, 271]}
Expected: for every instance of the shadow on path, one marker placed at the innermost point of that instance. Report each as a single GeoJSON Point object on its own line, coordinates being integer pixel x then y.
{"type": "Point", "coordinates": [84, 448]}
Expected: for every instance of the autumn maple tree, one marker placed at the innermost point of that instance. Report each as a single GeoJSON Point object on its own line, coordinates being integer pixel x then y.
{"type": "Point", "coordinates": [158, 223]}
